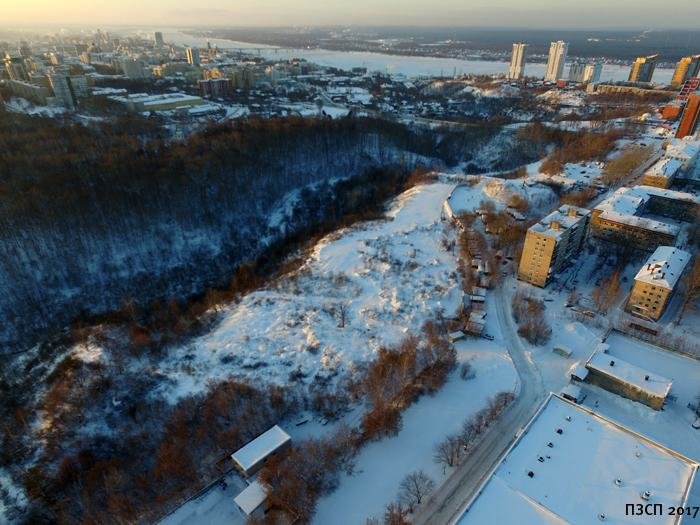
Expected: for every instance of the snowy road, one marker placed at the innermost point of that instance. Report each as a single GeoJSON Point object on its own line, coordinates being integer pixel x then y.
{"type": "Point", "coordinates": [456, 492]}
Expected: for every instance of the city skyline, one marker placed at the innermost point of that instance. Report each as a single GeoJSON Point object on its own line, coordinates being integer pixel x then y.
{"type": "Point", "coordinates": [538, 14]}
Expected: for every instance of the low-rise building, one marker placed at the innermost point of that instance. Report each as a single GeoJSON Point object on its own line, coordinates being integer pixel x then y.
{"type": "Point", "coordinates": [552, 243]}
{"type": "Point", "coordinates": [143, 102]}
{"type": "Point", "coordinates": [252, 501]}
{"type": "Point", "coordinates": [250, 458]}
{"type": "Point", "coordinates": [656, 281]}
{"type": "Point", "coordinates": [627, 380]}
{"type": "Point", "coordinates": [572, 465]}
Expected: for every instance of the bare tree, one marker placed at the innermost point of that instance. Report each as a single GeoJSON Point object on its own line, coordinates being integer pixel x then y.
{"type": "Point", "coordinates": [414, 488]}
{"type": "Point", "coordinates": [395, 514]}
{"type": "Point", "coordinates": [446, 452]}
{"type": "Point", "coordinates": [342, 312]}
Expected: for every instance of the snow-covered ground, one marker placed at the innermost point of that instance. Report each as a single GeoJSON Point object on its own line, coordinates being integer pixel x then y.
{"type": "Point", "coordinates": [468, 197]}
{"type": "Point", "coordinates": [383, 279]}
{"type": "Point", "coordinates": [382, 465]}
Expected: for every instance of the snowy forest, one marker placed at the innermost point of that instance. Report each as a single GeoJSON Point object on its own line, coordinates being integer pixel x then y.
{"type": "Point", "coordinates": [95, 218]}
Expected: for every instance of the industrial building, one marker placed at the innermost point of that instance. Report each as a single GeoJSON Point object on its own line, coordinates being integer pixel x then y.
{"type": "Point", "coordinates": [656, 281]}
{"type": "Point", "coordinates": [571, 465]}
{"type": "Point", "coordinates": [552, 243]}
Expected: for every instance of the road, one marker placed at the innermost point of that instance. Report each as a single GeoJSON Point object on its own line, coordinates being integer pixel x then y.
{"type": "Point", "coordinates": [452, 497]}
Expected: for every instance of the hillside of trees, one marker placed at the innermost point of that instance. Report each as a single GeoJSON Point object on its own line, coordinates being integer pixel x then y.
{"type": "Point", "coordinates": [95, 217]}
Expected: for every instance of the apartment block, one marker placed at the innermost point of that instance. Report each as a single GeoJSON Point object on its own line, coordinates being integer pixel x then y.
{"type": "Point", "coordinates": [552, 243]}
{"type": "Point", "coordinates": [517, 61]}
{"type": "Point", "coordinates": [690, 118]}
{"type": "Point", "coordinates": [643, 69]}
{"type": "Point", "coordinates": [656, 281]}
{"type": "Point", "coordinates": [662, 174]}
{"type": "Point", "coordinates": [555, 63]}
{"type": "Point", "coordinates": [687, 67]}
{"type": "Point", "coordinates": [619, 218]}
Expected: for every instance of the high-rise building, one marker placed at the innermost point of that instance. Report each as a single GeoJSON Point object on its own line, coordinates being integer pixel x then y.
{"type": "Point", "coordinates": [16, 69]}
{"type": "Point", "coordinates": [643, 69]}
{"type": "Point", "coordinates": [690, 118]}
{"type": "Point", "coordinates": [62, 90]}
{"type": "Point", "coordinates": [687, 67]}
{"type": "Point", "coordinates": [689, 86]}
{"type": "Point", "coordinates": [593, 72]}
{"type": "Point", "coordinates": [517, 61]}
{"type": "Point", "coordinates": [159, 39]}
{"type": "Point", "coordinates": [555, 63]}
{"type": "Point", "coordinates": [576, 71]}
{"type": "Point", "coordinates": [24, 50]}
{"type": "Point", "coordinates": [192, 56]}
{"type": "Point", "coordinates": [552, 243]}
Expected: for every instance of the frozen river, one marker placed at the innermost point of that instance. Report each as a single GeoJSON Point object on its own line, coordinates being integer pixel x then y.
{"type": "Point", "coordinates": [398, 65]}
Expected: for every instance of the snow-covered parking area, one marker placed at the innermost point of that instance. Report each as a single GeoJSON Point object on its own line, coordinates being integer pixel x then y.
{"type": "Point", "coordinates": [671, 426]}
{"type": "Point", "coordinates": [360, 289]}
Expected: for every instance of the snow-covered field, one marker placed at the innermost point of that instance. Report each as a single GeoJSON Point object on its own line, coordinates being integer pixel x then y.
{"type": "Point", "coordinates": [359, 290]}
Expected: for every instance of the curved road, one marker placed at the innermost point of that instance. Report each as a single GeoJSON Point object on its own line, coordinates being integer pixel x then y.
{"type": "Point", "coordinates": [452, 497]}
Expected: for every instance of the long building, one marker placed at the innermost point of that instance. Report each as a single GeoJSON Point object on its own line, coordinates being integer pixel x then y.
{"type": "Point", "coordinates": [571, 465]}
{"type": "Point", "coordinates": [619, 218]}
{"type": "Point", "coordinates": [643, 69]}
{"type": "Point", "coordinates": [656, 281]}
{"type": "Point", "coordinates": [663, 173]}
{"type": "Point", "coordinates": [552, 243]}
{"type": "Point", "coordinates": [517, 61]}
{"type": "Point", "coordinates": [687, 67]}
{"type": "Point", "coordinates": [690, 118]}
{"type": "Point", "coordinates": [556, 60]}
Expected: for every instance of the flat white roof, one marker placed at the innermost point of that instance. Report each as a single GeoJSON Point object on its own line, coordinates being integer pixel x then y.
{"type": "Point", "coordinates": [664, 267]}
{"type": "Point", "coordinates": [557, 222]}
{"type": "Point", "coordinates": [629, 373]}
{"type": "Point", "coordinates": [684, 149]}
{"type": "Point", "coordinates": [576, 481]}
{"type": "Point", "coordinates": [251, 497]}
{"type": "Point", "coordinates": [665, 168]}
{"type": "Point", "coordinates": [261, 447]}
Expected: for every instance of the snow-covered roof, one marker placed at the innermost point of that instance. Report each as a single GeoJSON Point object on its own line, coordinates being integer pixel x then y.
{"type": "Point", "coordinates": [557, 222]}
{"type": "Point", "coordinates": [665, 168]}
{"type": "Point", "coordinates": [625, 204]}
{"type": "Point", "coordinates": [685, 149]}
{"type": "Point", "coordinates": [630, 374]}
{"type": "Point", "coordinates": [664, 267]}
{"type": "Point", "coordinates": [261, 447]}
{"type": "Point", "coordinates": [592, 468]}
{"type": "Point", "coordinates": [251, 497]}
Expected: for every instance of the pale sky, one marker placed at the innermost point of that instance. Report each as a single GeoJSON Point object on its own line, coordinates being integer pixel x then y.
{"type": "Point", "coordinates": [585, 14]}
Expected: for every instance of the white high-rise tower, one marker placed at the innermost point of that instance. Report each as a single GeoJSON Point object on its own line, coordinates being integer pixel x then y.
{"type": "Point", "coordinates": [517, 61]}
{"type": "Point", "coordinates": [555, 64]}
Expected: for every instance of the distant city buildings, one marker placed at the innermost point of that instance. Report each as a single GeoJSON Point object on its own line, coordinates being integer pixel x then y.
{"type": "Point", "coordinates": [552, 243]}
{"type": "Point", "coordinates": [192, 54]}
{"type": "Point", "coordinates": [643, 69]}
{"type": "Point", "coordinates": [687, 67]}
{"type": "Point", "coordinates": [15, 68]}
{"type": "Point", "coordinates": [585, 73]}
{"type": "Point", "coordinates": [656, 281]}
{"type": "Point", "coordinates": [159, 39]}
{"type": "Point", "coordinates": [517, 61]}
{"type": "Point", "coordinates": [556, 60]}
{"type": "Point", "coordinates": [691, 116]}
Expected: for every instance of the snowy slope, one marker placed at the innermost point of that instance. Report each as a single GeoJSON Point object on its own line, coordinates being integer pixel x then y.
{"type": "Point", "coordinates": [389, 276]}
